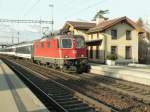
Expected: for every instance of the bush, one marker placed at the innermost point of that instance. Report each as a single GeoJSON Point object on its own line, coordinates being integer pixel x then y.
{"type": "Point", "coordinates": [111, 57]}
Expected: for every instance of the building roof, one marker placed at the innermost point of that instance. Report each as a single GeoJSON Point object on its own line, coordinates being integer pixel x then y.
{"type": "Point", "coordinates": [109, 23]}
{"type": "Point", "coordinates": [81, 25]}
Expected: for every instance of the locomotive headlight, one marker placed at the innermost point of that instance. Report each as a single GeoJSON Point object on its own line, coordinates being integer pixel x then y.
{"type": "Point", "coordinates": [74, 51]}
{"type": "Point", "coordinates": [66, 56]}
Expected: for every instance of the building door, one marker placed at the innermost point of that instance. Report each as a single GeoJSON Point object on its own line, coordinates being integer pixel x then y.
{"type": "Point", "coordinates": [91, 52]}
{"type": "Point", "coordinates": [97, 52]}
{"type": "Point", "coordinates": [128, 52]}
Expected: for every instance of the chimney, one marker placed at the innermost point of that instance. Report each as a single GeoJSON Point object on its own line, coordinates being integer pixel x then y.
{"type": "Point", "coordinates": [99, 20]}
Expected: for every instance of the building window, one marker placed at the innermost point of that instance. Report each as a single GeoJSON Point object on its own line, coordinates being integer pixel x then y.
{"type": "Point", "coordinates": [128, 52]}
{"type": "Point", "coordinates": [42, 45]}
{"type": "Point", "coordinates": [48, 44]}
{"type": "Point", "coordinates": [97, 52]}
{"type": "Point", "coordinates": [114, 50]}
{"type": "Point", "coordinates": [91, 52]}
{"type": "Point", "coordinates": [128, 35]}
{"type": "Point", "coordinates": [114, 34]}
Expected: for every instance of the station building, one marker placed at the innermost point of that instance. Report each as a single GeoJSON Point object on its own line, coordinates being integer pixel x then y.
{"type": "Point", "coordinates": [104, 37]}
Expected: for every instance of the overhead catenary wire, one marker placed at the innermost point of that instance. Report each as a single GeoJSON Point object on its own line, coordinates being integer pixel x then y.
{"type": "Point", "coordinates": [86, 8]}
{"type": "Point", "coordinates": [71, 2]}
{"type": "Point", "coordinates": [25, 4]}
{"type": "Point", "coordinates": [31, 8]}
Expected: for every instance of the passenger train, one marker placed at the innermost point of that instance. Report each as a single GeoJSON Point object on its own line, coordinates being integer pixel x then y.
{"type": "Point", "coordinates": [22, 50]}
{"type": "Point", "coordinates": [66, 52]}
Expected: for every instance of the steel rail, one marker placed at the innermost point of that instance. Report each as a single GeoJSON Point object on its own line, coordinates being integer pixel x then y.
{"type": "Point", "coordinates": [86, 99]}
{"type": "Point", "coordinates": [58, 107]}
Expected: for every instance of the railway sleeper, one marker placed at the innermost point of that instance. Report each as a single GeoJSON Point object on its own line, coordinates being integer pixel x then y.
{"type": "Point", "coordinates": [63, 96]}
{"type": "Point", "coordinates": [138, 91]}
{"type": "Point", "coordinates": [55, 93]}
{"type": "Point", "coordinates": [146, 93]}
{"type": "Point", "coordinates": [70, 102]}
{"type": "Point", "coordinates": [124, 87]}
{"type": "Point", "coordinates": [120, 86]}
{"type": "Point", "coordinates": [59, 98]}
{"type": "Point", "coordinates": [56, 90]}
{"type": "Point", "coordinates": [66, 99]}
{"type": "Point", "coordinates": [81, 109]}
{"type": "Point", "coordinates": [58, 94]}
{"type": "Point", "coordinates": [131, 89]}
{"type": "Point", "coordinates": [75, 105]}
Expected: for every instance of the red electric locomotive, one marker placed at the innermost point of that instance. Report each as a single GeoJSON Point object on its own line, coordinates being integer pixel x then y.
{"type": "Point", "coordinates": [67, 52]}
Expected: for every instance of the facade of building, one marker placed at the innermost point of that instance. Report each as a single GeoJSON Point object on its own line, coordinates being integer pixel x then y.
{"type": "Point", "coordinates": [117, 36]}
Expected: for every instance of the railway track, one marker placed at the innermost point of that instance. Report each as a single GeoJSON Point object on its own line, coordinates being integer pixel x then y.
{"type": "Point", "coordinates": [94, 88]}
{"type": "Point", "coordinates": [65, 99]}
{"type": "Point", "coordinates": [138, 91]}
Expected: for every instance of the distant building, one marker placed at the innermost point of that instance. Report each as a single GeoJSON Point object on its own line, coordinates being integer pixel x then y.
{"type": "Point", "coordinates": [104, 37]}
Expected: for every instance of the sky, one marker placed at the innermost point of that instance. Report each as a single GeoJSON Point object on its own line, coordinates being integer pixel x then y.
{"type": "Point", "coordinates": [63, 10]}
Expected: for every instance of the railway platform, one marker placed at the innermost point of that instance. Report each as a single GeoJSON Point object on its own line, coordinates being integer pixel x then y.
{"type": "Point", "coordinates": [15, 96]}
{"type": "Point", "coordinates": [137, 74]}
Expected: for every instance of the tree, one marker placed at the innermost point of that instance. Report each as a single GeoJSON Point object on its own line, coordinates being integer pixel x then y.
{"type": "Point", "coordinates": [100, 14]}
{"type": "Point", "coordinates": [140, 22]}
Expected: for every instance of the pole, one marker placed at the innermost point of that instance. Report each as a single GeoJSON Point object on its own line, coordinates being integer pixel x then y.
{"type": "Point", "coordinates": [18, 36]}
{"type": "Point", "coordinates": [52, 6]}
{"type": "Point", "coordinates": [12, 38]}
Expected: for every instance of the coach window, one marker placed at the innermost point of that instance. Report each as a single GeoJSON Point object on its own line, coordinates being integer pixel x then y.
{"type": "Point", "coordinates": [48, 44]}
{"type": "Point", "coordinates": [42, 45]}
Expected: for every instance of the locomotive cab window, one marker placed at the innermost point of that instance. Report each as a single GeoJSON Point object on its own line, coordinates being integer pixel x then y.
{"type": "Point", "coordinates": [66, 43]}
{"type": "Point", "coordinates": [80, 43]}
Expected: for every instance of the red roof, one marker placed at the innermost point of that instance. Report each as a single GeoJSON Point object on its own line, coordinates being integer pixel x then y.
{"type": "Point", "coordinates": [92, 27]}
{"type": "Point", "coordinates": [109, 23]}
{"type": "Point", "coordinates": [81, 25]}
